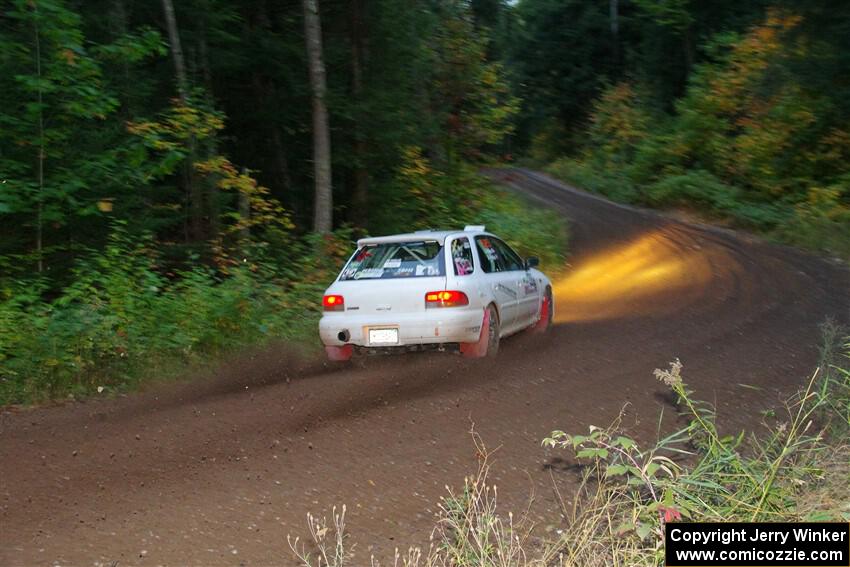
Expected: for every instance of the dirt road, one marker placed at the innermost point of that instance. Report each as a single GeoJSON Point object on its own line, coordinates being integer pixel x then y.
{"type": "Point", "coordinates": [219, 472]}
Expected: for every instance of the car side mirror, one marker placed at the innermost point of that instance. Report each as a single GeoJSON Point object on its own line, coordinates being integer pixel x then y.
{"type": "Point", "coordinates": [532, 262]}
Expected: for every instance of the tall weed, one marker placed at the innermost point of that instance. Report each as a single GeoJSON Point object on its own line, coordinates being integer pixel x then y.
{"type": "Point", "coordinates": [629, 493]}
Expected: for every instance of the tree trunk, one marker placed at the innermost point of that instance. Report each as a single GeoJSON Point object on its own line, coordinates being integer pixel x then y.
{"type": "Point", "coordinates": [244, 219]}
{"type": "Point", "coordinates": [360, 197]}
{"type": "Point", "coordinates": [281, 161]}
{"type": "Point", "coordinates": [119, 21]}
{"type": "Point", "coordinates": [614, 10]}
{"type": "Point", "coordinates": [688, 39]}
{"type": "Point", "coordinates": [210, 186]}
{"type": "Point", "coordinates": [176, 49]}
{"type": "Point", "coordinates": [323, 201]}
{"type": "Point", "coordinates": [39, 220]}
{"type": "Point", "coordinates": [266, 93]}
{"type": "Point", "coordinates": [206, 72]}
{"type": "Point", "coordinates": [194, 191]}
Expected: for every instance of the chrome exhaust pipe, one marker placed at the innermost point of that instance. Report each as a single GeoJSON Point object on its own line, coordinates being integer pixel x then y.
{"type": "Point", "coordinates": [344, 335]}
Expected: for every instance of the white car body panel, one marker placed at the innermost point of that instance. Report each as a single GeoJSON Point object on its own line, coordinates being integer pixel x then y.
{"type": "Point", "coordinates": [399, 303]}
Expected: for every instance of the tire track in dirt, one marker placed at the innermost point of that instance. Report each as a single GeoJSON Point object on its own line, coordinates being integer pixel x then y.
{"type": "Point", "coordinates": [219, 470]}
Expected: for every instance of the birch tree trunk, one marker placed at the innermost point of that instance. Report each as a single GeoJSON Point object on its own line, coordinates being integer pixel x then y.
{"type": "Point", "coordinates": [176, 48]}
{"type": "Point", "coordinates": [323, 201]}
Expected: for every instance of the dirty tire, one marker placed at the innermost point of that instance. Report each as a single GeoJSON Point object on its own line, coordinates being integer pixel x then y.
{"type": "Point", "coordinates": [493, 332]}
{"type": "Point", "coordinates": [547, 310]}
{"type": "Point", "coordinates": [488, 342]}
{"type": "Point", "coordinates": [339, 353]}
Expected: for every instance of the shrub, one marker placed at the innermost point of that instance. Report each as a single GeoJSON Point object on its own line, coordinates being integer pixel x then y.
{"type": "Point", "coordinates": [531, 231]}
{"type": "Point", "coordinates": [822, 221]}
{"type": "Point", "coordinates": [833, 387]}
{"type": "Point", "coordinates": [701, 188]}
{"type": "Point", "coordinates": [613, 184]}
{"type": "Point", "coordinates": [629, 493]}
{"type": "Point", "coordinates": [429, 198]}
{"type": "Point", "coordinates": [124, 316]}
{"type": "Point", "coordinates": [127, 315]}
{"type": "Point", "coordinates": [619, 122]}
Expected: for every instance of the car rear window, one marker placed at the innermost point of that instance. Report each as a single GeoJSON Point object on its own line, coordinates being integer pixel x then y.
{"type": "Point", "coordinates": [396, 260]}
{"type": "Point", "coordinates": [462, 259]}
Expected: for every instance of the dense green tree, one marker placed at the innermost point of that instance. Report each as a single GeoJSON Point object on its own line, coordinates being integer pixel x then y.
{"type": "Point", "coordinates": [450, 82]}
{"type": "Point", "coordinates": [761, 134]}
{"type": "Point", "coordinates": [429, 81]}
{"type": "Point", "coordinates": [59, 148]}
{"type": "Point", "coordinates": [565, 53]}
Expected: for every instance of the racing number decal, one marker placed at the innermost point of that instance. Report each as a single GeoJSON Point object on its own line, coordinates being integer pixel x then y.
{"type": "Point", "coordinates": [529, 285]}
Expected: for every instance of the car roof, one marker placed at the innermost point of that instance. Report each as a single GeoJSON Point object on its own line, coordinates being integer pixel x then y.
{"type": "Point", "coordinates": [418, 236]}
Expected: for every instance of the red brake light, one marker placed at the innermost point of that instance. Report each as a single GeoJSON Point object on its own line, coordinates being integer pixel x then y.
{"type": "Point", "coordinates": [445, 299]}
{"type": "Point", "coordinates": [333, 303]}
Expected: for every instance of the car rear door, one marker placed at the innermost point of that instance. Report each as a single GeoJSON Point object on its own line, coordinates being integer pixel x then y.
{"type": "Point", "coordinates": [502, 282]}
{"type": "Point", "coordinates": [528, 294]}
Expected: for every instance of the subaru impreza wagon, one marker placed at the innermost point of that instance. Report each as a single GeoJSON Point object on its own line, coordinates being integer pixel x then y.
{"type": "Point", "coordinates": [461, 290]}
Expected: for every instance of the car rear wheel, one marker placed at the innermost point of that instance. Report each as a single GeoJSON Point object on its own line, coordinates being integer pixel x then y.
{"type": "Point", "coordinates": [339, 353]}
{"type": "Point", "coordinates": [547, 309]}
{"type": "Point", "coordinates": [488, 341]}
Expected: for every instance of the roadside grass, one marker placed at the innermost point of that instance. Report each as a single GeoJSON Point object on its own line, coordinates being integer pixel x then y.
{"type": "Point", "coordinates": [128, 318]}
{"type": "Point", "coordinates": [796, 471]}
{"type": "Point", "coordinates": [811, 224]}
{"type": "Point", "coordinates": [530, 229]}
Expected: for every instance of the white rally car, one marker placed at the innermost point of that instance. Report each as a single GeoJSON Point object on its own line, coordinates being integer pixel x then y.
{"type": "Point", "coordinates": [443, 290]}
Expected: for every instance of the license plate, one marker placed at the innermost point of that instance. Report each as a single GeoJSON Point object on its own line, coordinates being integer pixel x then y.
{"type": "Point", "coordinates": [383, 336]}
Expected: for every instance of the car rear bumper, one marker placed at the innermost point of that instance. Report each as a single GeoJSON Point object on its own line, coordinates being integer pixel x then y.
{"type": "Point", "coordinates": [433, 326]}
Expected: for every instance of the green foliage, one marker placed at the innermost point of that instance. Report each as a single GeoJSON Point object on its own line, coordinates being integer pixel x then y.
{"type": "Point", "coordinates": [609, 182]}
{"type": "Point", "coordinates": [152, 241]}
{"type": "Point", "coordinates": [161, 145]}
{"type": "Point", "coordinates": [560, 58]}
{"type": "Point", "coordinates": [530, 230]}
{"type": "Point", "coordinates": [675, 14]}
{"type": "Point", "coordinates": [707, 192]}
{"type": "Point", "coordinates": [127, 315]}
{"type": "Point", "coordinates": [58, 157]}
{"type": "Point", "coordinates": [749, 142]}
{"type": "Point", "coordinates": [424, 197]}
{"type": "Point", "coordinates": [470, 94]}
{"type": "Point", "coordinates": [822, 221]}
{"type": "Point", "coordinates": [618, 124]}
{"type": "Point", "coordinates": [563, 54]}
{"type": "Point", "coordinates": [124, 317]}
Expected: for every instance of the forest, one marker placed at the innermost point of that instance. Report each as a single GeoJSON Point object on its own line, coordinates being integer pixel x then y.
{"type": "Point", "coordinates": [180, 179]}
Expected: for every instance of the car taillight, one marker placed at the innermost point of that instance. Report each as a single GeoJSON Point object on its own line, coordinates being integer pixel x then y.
{"type": "Point", "coordinates": [333, 303]}
{"type": "Point", "coordinates": [445, 299]}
